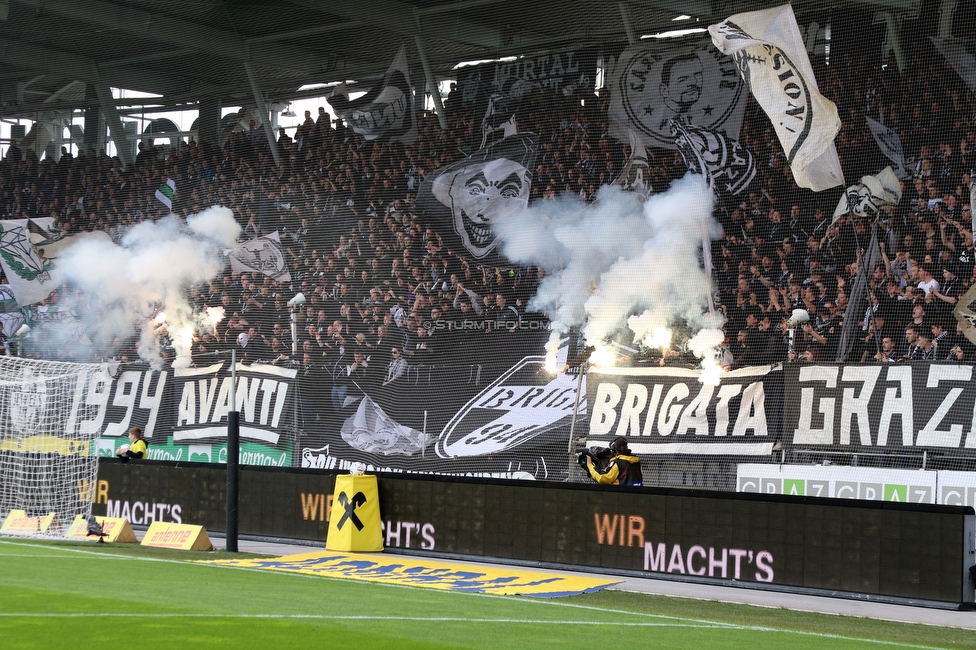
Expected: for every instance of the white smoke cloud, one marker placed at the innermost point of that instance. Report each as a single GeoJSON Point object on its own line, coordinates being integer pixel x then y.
{"type": "Point", "coordinates": [153, 264]}
{"type": "Point", "coordinates": [621, 263]}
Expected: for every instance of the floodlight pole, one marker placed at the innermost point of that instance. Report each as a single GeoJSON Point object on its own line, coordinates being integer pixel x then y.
{"type": "Point", "coordinates": [233, 457]}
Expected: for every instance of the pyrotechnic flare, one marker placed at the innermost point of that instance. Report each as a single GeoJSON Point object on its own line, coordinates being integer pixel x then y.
{"type": "Point", "coordinates": [643, 257]}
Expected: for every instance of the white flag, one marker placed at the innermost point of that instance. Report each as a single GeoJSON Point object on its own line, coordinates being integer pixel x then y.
{"type": "Point", "coordinates": [263, 255]}
{"type": "Point", "coordinates": [890, 145]}
{"type": "Point", "coordinates": [634, 175]}
{"type": "Point", "coordinates": [871, 195]}
{"type": "Point", "coordinates": [972, 201]}
{"type": "Point", "coordinates": [32, 278]}
{"type": "Point", "coordinates": [772, 59]}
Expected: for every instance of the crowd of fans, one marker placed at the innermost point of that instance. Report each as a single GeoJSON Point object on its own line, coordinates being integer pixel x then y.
{"type": "Point", "coordinates": [384, 293]}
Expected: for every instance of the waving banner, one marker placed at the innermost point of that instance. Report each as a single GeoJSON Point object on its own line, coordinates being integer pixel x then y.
{"type": "Point", "coordinates": [727, 166]}
{"type": "Point", "coordinates": [387, 111]}
{"type": "Point", "coordinates": [654, 83]}
{"type": "Point", "coordinates": [463, 199]}
{"type": "Point", "coordinates": [890, 145]}
{"type": "Point", "coordinates": [32, 278]}
{"type": "Point", "coordinates": [869, 197]}
{"type": "Point", "coordinates": [262, 255]}
{"type": "Point", "coordinates": [961, 55]}
{"type": "Point", "coordinates": [773, 61]}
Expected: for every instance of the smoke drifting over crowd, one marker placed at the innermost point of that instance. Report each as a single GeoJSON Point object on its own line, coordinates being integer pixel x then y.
{"type": "Point", "coordinates": [621, 263]}
{"type": "Point", "coordinates": [148, 271]}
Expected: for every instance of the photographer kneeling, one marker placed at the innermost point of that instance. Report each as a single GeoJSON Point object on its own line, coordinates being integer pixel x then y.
{"type": "Point", "coordinates": [622, 468]}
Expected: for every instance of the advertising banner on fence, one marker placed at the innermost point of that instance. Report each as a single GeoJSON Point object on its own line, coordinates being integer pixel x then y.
{"type": "Point", "coordinates": [865, 483]}
{"type": "Point", "coordinates": [884, 407]}
{"type": "Point", "coordinates": [669, 410]}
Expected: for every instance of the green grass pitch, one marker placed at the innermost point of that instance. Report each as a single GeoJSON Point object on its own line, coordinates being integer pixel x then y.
{"type": "Point", "coordinates": [60, 595]}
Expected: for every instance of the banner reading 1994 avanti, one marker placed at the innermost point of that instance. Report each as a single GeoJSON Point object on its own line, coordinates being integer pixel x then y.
{"type": "Point", "coordinates": [669, 410]}
{"type": "Point", "coordinates": [183, 412]}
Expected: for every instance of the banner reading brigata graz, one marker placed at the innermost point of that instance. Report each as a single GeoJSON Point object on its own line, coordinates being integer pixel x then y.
{"type": "Point", "coordinates": [669, 411]}
{"type": "Point", "coordinates": [881, 407]}
{"type": "Point", "coordinates": [183, 412]}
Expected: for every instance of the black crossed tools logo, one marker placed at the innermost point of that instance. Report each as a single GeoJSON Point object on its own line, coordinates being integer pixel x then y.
{"type": "Point", "coordinates": [358, 499]}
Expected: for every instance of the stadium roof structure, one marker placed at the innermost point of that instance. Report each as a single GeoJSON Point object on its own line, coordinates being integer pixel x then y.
{"type": "Point", "coordinates": [189, 50]}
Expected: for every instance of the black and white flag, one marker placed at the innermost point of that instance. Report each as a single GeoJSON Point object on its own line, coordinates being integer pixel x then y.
{"type": "Point", "coordinates": [890, 145]}
{"type": "Point", "coordinates": [961, 55]}
{"type": "Point", "coordinates": [654, 83]}
{"type": "Point", "coordinates": [871, 195]}
{"type": "Point", "coordinates": [966, 315]}
{"type": "Point", "coordinates": [463, 199]}
{"type": "Point", "coordinates": [772, 60]}
{"type": "Point", "coordinates": [634, 174]}
{"type": "Point", "coordinates": [727, 166]}
{"type": "Point", "coordinates": [386, 111]}
{"type": "Point", "coordinates": [499, 116]}
{"type": "Point", "coordinates": [972, 199]}
{"type": "Point", "coordinates": [261, 255]}
{"type": "Point", "coordinates": [49, 242]}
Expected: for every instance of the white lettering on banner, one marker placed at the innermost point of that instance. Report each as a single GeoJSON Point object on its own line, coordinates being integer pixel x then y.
{"type": "Point", "coordinates": [126, 390]}
{"type": "Point", "coordinates": [208, 401]}
{"type": "Point", "coordinates": [613, 405]}
{"type": "Point", "coordinates": [805, 433]}
{"type": "Point", "coordinates": [713, 562]}
{"type": "Point", "coordinates": [725, 394]}
{"type": "Point", "coordinates": [898, 401]}
{"type": "Point", "coordinates": [668, 417]}
{"type": "Point", "coordinates": [604, 405]}
{"type": "Point", "coordinates": [852, 406]}
{"type": "Point", "coordinates": [91, 395]}
{"type": "Point", "coordinates": [858, 387]}
{"type": "Point", "coordinates": [930, 435]}
{"type": "Point", "coordinates": [634, 402]}
{"type": "Point", "coordinates": [144, 512]}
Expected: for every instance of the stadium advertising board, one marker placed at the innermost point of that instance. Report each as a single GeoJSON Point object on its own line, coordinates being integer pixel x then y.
{"type": "Point", "coordinates": [865, 483]}
{"type": "Point", "coordinates": [900, 550]}
{"type": "Point", "coordinates": [881, 407]}
{"type": "Point", "coordinates": [669, 411]}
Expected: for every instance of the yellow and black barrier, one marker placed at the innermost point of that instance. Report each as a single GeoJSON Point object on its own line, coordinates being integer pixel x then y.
{"type": "Point", "coordinates": [355, 522]}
